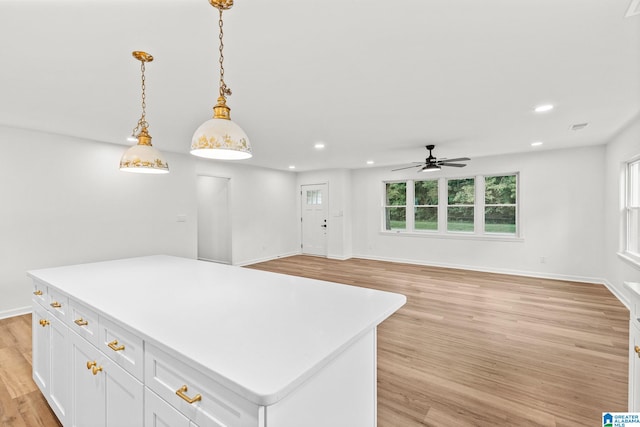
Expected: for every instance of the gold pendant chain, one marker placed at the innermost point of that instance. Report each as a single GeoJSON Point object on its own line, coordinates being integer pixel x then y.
{"type": "Point", "coordinates": [224, 90]}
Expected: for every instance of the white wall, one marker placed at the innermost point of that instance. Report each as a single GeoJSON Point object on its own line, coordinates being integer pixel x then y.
{"type": "Point", "coordinates": [64, 201]}
{"type": "Point", "coordinates": [340, 221]}
{"type": "Point", "coordinates": [622, 148]}
{"type": "Point", "coordinates": [561, 214]}
{"type": "Point", "coordinates": [263, 210]}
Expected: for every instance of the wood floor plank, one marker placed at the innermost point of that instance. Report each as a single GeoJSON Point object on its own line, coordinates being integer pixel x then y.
{"type": "Point", "coordinates": [484, 349]}
{"type": "Point", "coordinates": [15, 372]}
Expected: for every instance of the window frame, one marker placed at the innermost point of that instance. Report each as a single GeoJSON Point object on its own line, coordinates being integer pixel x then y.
{"type": "Point", "coordinates": [385, 206]}
{"type": "Point", "coordinates": [415, 206]}
{"type": "Point", "coordinates": [443, 205]}
{"type": "Point", "coordinates": [516, 205]}
{"type": "Point", "coordinates": [627, 213]}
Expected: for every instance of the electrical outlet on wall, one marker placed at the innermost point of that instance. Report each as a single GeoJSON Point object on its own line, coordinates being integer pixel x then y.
{"type": "Point", "coordinates": [543, 260]}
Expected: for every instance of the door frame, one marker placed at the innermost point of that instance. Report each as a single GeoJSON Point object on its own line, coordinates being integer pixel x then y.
{"type": "Point", "coordinates": [326, 254]}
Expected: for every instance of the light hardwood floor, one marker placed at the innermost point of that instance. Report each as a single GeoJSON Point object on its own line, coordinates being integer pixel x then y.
{"type": "Point", "coordinates": [480, 349]}
{"type": "Point", "coordinates": [468, 349]}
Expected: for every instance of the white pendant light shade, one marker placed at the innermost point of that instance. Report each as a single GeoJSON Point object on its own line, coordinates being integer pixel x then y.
{"type": "Point", "coordinates": [143, 158]}
{"type": "Point", "coordinates": [220, 139]}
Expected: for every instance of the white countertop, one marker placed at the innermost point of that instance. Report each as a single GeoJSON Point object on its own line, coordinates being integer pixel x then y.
{"type": "Point", "coordinates": [260, 334]}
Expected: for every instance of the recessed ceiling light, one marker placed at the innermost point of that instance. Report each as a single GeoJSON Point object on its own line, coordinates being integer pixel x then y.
{"type": "Point", "coordinates": [536, 144]}
{"type": "Point", "coordinates": [543, 108]}
{"type": "Point", "coordinates": [319, 145]}
{"type": "Point", "coordinates": [370, 162]}
{"type": "Point", "coordinates": [292, 167]}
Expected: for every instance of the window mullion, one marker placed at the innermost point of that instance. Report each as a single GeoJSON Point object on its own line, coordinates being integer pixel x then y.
{"type": "Point", "coordinates": [410, 210]}
{"type": "Point", "coordinates": [479, 205]}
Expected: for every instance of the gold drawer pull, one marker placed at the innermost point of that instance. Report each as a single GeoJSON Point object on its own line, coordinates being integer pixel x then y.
{"type": "Point", "coordinates": [113, 345]}
{"type": "Point", "coordinates": [91, 364]}
{"type": "Point", "coordinates": [38, 292]}
{"type": "Point", "coordinates": [55, 304]}
{"type": "Point", "coordinates": [43, 322]}
{"type": "Point", "coordinates": [81, 322]}
{"type": "Point", "coordinates": [637, 349]}
{"type": "Point", "coordinates": [181, 392]}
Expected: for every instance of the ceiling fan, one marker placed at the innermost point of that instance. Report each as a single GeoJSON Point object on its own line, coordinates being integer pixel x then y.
{"type": "Point", "coordinates": [432, 164]}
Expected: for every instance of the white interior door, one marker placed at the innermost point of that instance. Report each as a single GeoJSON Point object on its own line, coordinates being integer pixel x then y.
{"type": "Point", "coordinates": [315, 205]}
{"type": "Point", "coordinates": [214, 219]}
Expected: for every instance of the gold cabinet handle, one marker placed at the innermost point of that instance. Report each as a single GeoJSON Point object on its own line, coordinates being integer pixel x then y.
{"type": "Point", "coordinates": [113, 345]}
{"type": "Point", "coordinates": [38, 292]}
{"type": "Point", "coordinates": [44, 322]}
{"type": "Point", "coordinates": [637, 349]}
{"type": "Point", "coordinates": [55, 304]}
{"type": "Point", "coordinates": [91, 364]}
{"type": "Point", "coordinates": [81, 322]}
{"type": "Point", "coordinates": [181, 392]}
{"type": "Point", "coordinates": [96, 369]}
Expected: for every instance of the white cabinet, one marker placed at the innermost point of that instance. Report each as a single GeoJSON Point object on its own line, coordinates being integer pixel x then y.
{"type": "Point", "coordinates": [51, 360]}
{"type": "Point", "coordinates": [634, 366]}
{"type": "Point", "coordinates": [634, 346]}
{"type": "Point", "coordinates": [171, 342]}
{"type": "Point", "coordinates": [103, 394]}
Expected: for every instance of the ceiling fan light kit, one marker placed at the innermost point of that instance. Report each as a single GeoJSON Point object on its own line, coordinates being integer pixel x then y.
{"type": "Point", "coordinates": [432, 164]}
{"type": "Point", "coordinates": [219, 137]}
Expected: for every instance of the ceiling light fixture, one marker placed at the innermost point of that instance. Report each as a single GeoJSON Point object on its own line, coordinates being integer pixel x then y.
{"type": "Point", "coordinates": [536, 144]}
{"type": "Point", "coordinates": [292, 167]}
{"type": "Point", "coordinates": [142, 157]}
{"type": "Point", "coordinates": [431, 167]}
{"type": "Point", "coordinates": [319, 146]}
{"type": "Point", "coordinates": [543, 108]}
{"type": "Point", "coordinates": [219, 137]}
{"type": "Point", "coordinates": [370, 162]}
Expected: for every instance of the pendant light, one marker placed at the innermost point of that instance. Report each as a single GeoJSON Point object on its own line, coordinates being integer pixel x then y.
{"type": "Point", "coordinates": [143, 158]}
{"type": "Point", "coordinates": [219, 137]}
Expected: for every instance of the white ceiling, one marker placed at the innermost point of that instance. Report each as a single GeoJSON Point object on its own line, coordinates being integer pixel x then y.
{"type": "Point", "coordinates": [372, 79]}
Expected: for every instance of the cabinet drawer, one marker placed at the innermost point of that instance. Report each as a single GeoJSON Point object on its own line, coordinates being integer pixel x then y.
{"type": "Point", "coordinates": [216, 406]}
{"type": "Point", "coordinates": [121, 345]}
{"type": "Point", "coordinates": [58, 304]}
{"type": "Point", "coordinates": [40, 293]}
{"type": "Point", "coordinates": [84, 321]}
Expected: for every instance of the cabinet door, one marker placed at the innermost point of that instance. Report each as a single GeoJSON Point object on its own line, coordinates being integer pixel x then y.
{"type": "Point", "coordinates": [40, 348]}
{"type": "Point", "coordinates": [87, 389]}
{"type": "Point", "coordinates": [124, 404]}
{"type": "Point", "coordinates": [59, 384]}
{"type": "Point", "coordinates": [158, 413]}
{"type": "Point", "coordinates": [634, 365]}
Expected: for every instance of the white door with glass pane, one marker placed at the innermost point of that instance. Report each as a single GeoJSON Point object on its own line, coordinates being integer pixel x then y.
{"type": "Point", "coordinates": [314, 219]}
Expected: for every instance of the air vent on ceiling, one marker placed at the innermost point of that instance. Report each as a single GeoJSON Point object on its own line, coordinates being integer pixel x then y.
{"type": "Point", "coordinates": [634, 9]}
{"type": "Point", "coordinates": [579, 126]}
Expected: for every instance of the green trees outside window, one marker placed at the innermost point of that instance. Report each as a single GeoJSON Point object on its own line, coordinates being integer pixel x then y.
{"type": "Point", "coordinates": [461, 204]}
{"type": "Point", "coordinates": [500, 197]}
{"type": "Point", "coordinates": [426, 205]}
{"type": "Point", "coordinates": [479, 205]}
{"type": "Point", "coordinates": [396, 206]}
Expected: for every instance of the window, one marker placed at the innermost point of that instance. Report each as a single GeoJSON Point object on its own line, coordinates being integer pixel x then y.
{"type": "Point", "coordinates": [426, 205]}
{"type": "Point", "coordinates": [314, 197]}
{"type": "Point", "coordinates": [632, 211]}
{"type": "Point", "coordinates": [396, 206]}
{"type": "Point", "coordinates": [500, 197]}
{"type": "Point", "coordinates": [460, 204]}
{"type": "Point", "coordinates": [469, 206]}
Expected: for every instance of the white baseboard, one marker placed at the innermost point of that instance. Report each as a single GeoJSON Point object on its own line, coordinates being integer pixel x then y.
{"type": "Point", "coordinates": [15, 312]}
{"type": "Point", "coordinates": [541, 275]}
{"type": "Point", "coordinates": [265, 259]}
{"type": "Point", "coordinates": [616, 292]}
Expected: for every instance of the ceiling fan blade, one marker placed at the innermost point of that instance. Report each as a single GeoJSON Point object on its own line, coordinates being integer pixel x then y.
{"type": "Point", "coordinates": [459, 159]}
{"type": "Point", "coordinates": [408, 167]}
{"type": "Point", "coordinates": [455, 165]}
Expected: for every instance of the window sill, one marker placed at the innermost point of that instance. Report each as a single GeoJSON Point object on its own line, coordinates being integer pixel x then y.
{"type": "Point", "coordinates": [634, 261]}
{"type": "Point", "coordinates": [455, 236]}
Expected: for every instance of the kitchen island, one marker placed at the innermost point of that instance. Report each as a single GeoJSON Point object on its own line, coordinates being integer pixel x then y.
{"type": "Point", "coordinates": [170, 341]}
